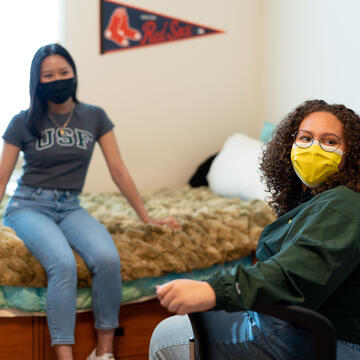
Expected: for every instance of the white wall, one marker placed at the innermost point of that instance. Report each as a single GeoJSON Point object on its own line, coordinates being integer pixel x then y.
{"type": "Point", "coordinates": [173, 104]}
{"type": "Point", "coordinates": [310, 50]}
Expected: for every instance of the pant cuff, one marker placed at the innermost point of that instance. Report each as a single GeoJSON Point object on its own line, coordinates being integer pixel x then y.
{"type": "Point", "coordinates": [106, 327]}
{"type": "Point", "coordinates": [64, 341]}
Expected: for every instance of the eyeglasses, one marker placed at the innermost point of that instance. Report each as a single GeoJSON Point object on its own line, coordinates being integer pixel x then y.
{"type": "Point", "coordinates": [328, 142]}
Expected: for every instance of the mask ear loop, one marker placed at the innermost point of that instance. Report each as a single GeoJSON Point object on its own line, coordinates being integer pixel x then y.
{"type": "Point", "coordinates": [343, 160]}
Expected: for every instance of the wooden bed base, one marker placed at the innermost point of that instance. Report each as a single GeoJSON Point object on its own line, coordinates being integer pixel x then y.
{"type": "Point", "coordinates": [27, 338]}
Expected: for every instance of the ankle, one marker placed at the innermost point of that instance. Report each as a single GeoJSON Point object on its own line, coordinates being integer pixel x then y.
{"type": "Point", "coordinates": [101, 350]}
{"type": "Point", "coordinates": [63, 352]}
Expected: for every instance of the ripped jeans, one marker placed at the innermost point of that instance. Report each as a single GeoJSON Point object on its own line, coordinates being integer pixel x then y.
{"type": "Point", "coordinates": [52, 223]}
{"type": "Point", "coordinates": [250, 336]}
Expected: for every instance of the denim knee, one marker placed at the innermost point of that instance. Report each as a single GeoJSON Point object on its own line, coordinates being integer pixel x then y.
{"type": "Point", "coordinates": [63, 270]}
{"type": "Point", "coordinates": [170, 339]}
{"type": "Point", "coordinates": [106, 262]}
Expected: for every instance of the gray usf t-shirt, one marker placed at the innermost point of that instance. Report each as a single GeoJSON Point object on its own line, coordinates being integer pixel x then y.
{"type": "Point", "coordinates": [59, 161]}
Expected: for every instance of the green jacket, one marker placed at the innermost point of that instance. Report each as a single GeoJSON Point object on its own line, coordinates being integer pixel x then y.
{"type": "Point", "coordinates": [310, 257]}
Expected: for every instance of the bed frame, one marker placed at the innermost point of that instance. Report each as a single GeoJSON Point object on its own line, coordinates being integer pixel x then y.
{"type": "Point", "coordinates": [27, 338]}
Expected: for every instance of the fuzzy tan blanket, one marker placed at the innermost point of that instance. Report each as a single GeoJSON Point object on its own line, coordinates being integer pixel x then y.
{"type": "Point", "coordinates": [213, 230]}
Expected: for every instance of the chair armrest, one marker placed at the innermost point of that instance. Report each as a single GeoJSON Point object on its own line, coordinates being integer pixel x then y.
{"type": "Point", "coordinates": [318, 325]}
{"type": "Point", "coordinates": [322, 330]}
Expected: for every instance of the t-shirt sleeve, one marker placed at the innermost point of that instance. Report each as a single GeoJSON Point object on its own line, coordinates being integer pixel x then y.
{"type": "Point", "coordinates": [104, 124]}
{"type": "Point", "coordinates": [15, 131]}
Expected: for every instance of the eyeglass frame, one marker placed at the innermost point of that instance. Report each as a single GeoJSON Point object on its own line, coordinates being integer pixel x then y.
{"type": "Point", "coordinates": [325, 148]}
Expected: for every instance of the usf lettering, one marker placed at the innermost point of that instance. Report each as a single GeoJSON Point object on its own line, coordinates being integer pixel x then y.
{"type": "Point", "coordinates": [70, 137]}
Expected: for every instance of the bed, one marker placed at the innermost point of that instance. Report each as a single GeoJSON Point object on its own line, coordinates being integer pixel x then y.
{"type": "Point", "coordinates": [216, 232]}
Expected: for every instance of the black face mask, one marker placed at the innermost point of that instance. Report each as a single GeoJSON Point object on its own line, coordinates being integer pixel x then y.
{"type": "Point", "coordinates": [58, 91]}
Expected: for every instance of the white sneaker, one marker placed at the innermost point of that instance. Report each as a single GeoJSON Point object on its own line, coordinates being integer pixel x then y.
{"type": "Point", "coordinates": [106, 356]}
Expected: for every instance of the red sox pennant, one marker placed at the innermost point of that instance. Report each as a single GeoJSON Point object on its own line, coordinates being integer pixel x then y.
{"type": "Point", "coordinates": [125, 27]}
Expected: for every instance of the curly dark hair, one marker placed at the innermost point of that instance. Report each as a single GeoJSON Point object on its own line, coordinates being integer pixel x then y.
{"type": "Point", "coordinates": [283, 184]}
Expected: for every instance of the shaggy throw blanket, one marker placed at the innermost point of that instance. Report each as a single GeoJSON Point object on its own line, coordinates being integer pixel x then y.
{"type": "Point", "coordinates": [213, 230]}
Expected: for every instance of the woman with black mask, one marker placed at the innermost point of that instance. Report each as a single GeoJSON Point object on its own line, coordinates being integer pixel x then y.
{"type": "Point", "coordinates": [57, 135]}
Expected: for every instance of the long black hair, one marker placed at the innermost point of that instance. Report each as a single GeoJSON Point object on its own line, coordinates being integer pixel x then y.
{"type": "Point", "coordinates": [38, 104]}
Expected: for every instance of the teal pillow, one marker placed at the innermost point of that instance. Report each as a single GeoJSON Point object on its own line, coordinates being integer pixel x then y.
{"type": "Point", "coordinates": [267, 131]}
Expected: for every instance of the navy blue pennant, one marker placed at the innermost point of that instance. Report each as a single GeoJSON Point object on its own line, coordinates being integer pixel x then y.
{"type": "Point", "coordinates": [126, 27]}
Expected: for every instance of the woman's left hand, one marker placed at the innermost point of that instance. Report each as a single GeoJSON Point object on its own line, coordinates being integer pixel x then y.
{"type": "Point", "coordinates": [185, 296]}
{"type": "Point", "coordinates": [169, 221]}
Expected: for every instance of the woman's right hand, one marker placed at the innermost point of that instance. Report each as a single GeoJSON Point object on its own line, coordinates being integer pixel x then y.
{"type": "Point", "coordinates": [184, 296]}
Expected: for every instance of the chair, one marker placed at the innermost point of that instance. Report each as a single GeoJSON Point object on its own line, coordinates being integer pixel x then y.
{"type": "Point", "coordinates": [204, 324]}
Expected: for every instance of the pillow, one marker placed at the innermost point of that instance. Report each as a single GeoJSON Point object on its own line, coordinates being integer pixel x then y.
{"type": "Point", "coordinates": [199, 177]}
{"type": "Point", "coordinates": [235, 170]}
{"type": "Point", "coordinates": [267, 131]}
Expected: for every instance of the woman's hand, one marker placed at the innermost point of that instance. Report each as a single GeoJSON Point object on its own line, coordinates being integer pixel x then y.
{"type": "Point", "coordinates": [169, 221]}
{"type": "Point", "coordinates": [186, 296]}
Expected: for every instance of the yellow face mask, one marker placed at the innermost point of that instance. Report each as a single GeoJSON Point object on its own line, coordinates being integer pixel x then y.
{"type": "Point", "coordinates": [313, 165]}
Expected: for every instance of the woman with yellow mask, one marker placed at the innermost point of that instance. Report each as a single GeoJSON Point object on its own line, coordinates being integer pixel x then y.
{"type": "Point", "coordinates": [310, 256]}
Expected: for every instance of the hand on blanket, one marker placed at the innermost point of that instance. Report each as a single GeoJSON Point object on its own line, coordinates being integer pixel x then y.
{"type": "Point", "coordinates": [186, 296]}
{"type": "Point", "coordinates": [169, 221]}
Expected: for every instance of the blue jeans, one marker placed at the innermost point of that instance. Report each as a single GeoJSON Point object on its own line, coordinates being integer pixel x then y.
{"type": "Point", "coordinates": [52, 224]}
{"type": "Point", "coordinates": [252, 336]}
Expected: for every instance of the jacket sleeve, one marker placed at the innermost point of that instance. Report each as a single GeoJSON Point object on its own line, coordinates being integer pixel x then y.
{"type": "Point", "coordinates": [318, 254]}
